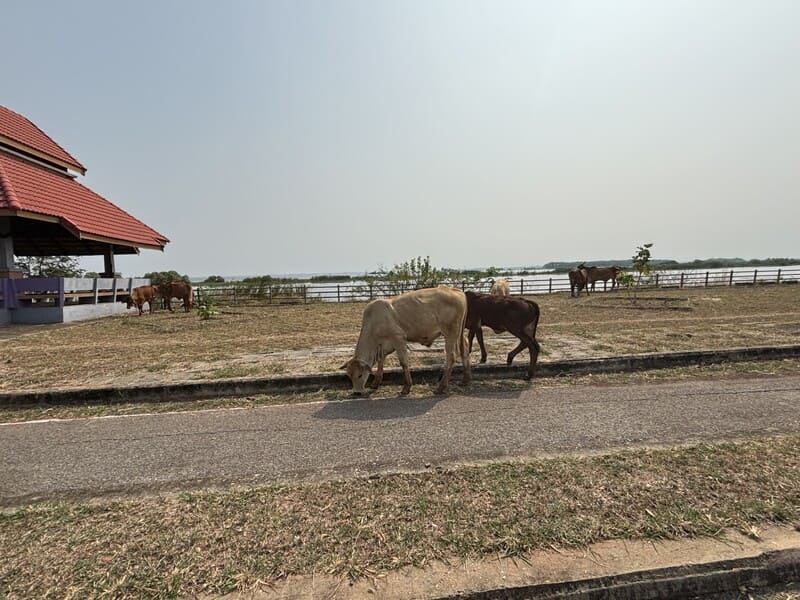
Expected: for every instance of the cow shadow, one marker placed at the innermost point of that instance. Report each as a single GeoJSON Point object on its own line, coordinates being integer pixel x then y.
{"type": "Point", "coordinates": [377, 409]}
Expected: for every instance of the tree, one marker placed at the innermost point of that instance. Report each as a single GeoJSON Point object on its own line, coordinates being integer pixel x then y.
{"type": "Point", "coordinates": [50, 266]}
{"type": "Point", "coordinates": [641, 264]}
{"type": "Point", "coordinates": [159, 277]}
{"type": "Point", "coordinates": [215, 279]}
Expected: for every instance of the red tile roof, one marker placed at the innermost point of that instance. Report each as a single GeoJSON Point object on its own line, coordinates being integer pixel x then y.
{"type": "Point", "coordinates": [28, 187]}
{"type": "Point", "coordinates": [29, 137]}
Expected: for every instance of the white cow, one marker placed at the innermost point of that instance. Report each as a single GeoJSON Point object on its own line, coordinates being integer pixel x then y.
{"type": "Point", "coordinates": [500, 288]}
{"type": "Point", "coordinates": [420, 316]}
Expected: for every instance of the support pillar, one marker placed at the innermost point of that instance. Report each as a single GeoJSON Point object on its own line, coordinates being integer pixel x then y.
{"type": "Point", "coordinates": [7, 268]}
{"type": "Point", "coordinates": [108, 261]}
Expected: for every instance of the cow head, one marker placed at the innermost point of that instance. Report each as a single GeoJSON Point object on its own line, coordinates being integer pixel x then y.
{"type": "Point", "coordinates": [129, 302]}
{"type": "Point", "coordinates": [358, 371]}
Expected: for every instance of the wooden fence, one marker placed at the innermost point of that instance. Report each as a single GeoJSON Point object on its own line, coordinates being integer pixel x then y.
{"type": "Point", "coordinates": [246, 294]}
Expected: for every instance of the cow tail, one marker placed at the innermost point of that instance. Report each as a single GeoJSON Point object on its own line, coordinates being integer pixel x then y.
{"type": "Point", "coordinates": [536, 314]}
{"type": "Point", "coordinates": [462, 342]}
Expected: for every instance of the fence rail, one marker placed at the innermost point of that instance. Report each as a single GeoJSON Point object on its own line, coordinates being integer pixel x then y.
{"type": "Point", "coordinates": [544, 283]}
{"type": "Point", "coordinates": [42, 292]}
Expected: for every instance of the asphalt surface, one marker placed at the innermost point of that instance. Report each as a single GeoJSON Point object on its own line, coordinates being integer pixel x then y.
{"type": "Point", "coordinates": [53, 460]}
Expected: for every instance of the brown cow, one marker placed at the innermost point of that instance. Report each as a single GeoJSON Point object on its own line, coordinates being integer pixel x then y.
{"type": "Point", "coordinates": [418, 316]}
{"type": "Point", "coordinates": [140, 295]}
{"type": "Point", "coordinates": [603, 273]}
{"type": "Point", "coordinates": [577, 280]}
{"type": "Point", "coordinates": [518, 316]}
{"type": "Point", "coordinates": [176, 289]}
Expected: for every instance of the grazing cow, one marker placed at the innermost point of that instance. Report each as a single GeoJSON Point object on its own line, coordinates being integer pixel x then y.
{"type": "Point", "coordinates": [176, 289]}
{"type": "Point", "coordinates": [419, 316]}
{"type": "Point", "coordinates": [603, 273]}
{"type": "Point", "coordinates": [500, 288]}
{"type": "Point", "coordinates": [140, 295]}
{"type": "Point", "coordinates": [518, 316]}
{"type": "Point", "coordinates": [577, 280]}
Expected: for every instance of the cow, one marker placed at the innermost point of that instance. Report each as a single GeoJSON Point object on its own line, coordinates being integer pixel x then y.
{"type": "Point", "coordinates": [176, 289]}
{"type": "Point", "coordinates": [518, 316]}
{"type": "Point", "coordinates": [577, 280]}
{"type": "Point", "coordinates": [420, 316]}
{"type": "Point", "coordinates": [602, 273]}
{"type": "Point", "coordinates": [500, 288]}
{"type": "Point", "coordinates": [140, 295]}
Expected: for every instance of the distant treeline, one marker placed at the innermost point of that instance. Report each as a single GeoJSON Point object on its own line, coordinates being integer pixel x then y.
{"type": "Point", "coordinates": [491, 272]}
{"type": "Point", "coordinates": [708, 263]}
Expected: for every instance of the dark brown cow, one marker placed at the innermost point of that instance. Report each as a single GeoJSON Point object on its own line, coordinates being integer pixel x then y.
{"type": "Point", "coordinates": [518, 316]}
{"type": "Point", "coordinates": [140, 295]}
{"type": "Point", "coordinates": [176, 289]}
{"type": "Point", "coordinates": [577, 280]}
{"type": "Point", "coordinates": [603, 273]}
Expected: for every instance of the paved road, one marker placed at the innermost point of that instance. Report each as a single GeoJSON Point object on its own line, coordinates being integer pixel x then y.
{"type": "Point", "coordinates": [89, 457]}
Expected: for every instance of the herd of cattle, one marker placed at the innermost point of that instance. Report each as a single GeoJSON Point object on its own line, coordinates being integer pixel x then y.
{"type": "Point", "coordinates": [423, 315]}
{"type": "Point", "coordinates": [148, 294]}
{"type": "Point", "coordinates": [583, 277]}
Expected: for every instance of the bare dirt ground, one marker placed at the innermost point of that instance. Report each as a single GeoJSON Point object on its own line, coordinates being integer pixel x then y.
{"type": "Point", "coordinates": [314, 338]}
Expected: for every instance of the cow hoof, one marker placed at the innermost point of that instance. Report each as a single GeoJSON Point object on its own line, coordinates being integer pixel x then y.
{"type": "Point", "coordinates": [440, 391]}
{"type": "Point", "coordinates": [405, 391]}
{"type": "Point", "coordinates": [483, 359]}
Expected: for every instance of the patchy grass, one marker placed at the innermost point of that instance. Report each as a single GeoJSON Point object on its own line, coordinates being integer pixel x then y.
{"type": "Point", "coordinates": [419, 390]}
{"type": "Point", "coordinates": [217, 542]}
{"type": "Point", "coordinates": [168, 347]}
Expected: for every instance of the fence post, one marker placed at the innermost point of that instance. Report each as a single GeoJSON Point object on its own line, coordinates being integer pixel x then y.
{"type": "Point", "coordinates": [463, 285]}
{"type": "Point", "coordinates": [96, 289]}
{"type": "Point", "coordinates": [521, 286]}
{"type": "Point", "coordinates": [730, 279]}
{"type": "Point", "coordinates": [681, 280]}
{"type": "Point", "coordinates": [778, 280]}
{"type": "Point", "coordinates": [656, 279]}
{"type": "Point", "coordinates": [305, 294]}
{"type": "Point", "coordinates": [234, 295]}
{"type": "Point", "coordinates": [755, 276]}
{"type": "Point", "coordinates": [706, 278]}
{"type": "Point", "coordinates": [338, 293]}
{"type": "Point", "coordinates": [370, 290]}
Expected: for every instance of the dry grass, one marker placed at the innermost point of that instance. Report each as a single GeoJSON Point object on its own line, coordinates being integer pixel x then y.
{"type": "Point", "coordinates": [314, 338]}
{"type": "Point", "coordinates": [217, 542]}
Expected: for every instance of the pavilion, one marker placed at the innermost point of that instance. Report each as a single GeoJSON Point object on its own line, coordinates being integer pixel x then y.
{"type": "Point", "coordinates": [46, 211]}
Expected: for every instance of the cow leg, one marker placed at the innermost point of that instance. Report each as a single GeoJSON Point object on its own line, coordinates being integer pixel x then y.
{"type": "Point", "coordinates": [378, 378]}
{"type": "Point", "coordinates": [462, 346]}
{"type": "Point", "coordinates": [449, 350]}
{"type": "Point", "coordinates": [479, 333]}
{"type": "Point", "coordinates": [519, 348]}
{"type": "Point", "coordinates": [402, 355]}
{"type": "Point", "coordinates": [526, 341]}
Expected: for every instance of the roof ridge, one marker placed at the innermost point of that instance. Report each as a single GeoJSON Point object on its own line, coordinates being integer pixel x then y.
{"type": "Point", "coordinates": [76, 162]}
{"type": "Point", "coordinates": [7, 190]}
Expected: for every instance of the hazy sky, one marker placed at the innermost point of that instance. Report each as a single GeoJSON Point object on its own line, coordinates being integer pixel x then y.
{"type": "Point", "coordinates": [328, 136]}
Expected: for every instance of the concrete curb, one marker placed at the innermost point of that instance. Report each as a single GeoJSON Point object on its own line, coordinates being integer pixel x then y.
{"type": "Point", "coordinates": [251, 386]}
{"type": "Point", "coordinates": [686, 581]}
